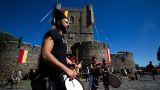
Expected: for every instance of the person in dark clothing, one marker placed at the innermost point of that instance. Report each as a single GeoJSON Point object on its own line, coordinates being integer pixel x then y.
{"type": "Point", "coordinates": [105, 75]}
{"type": "Point", "coordinates": [53, 60]}
{"type": "Point", "coordinates": [94, 72]}
{"type": "Point", "coordinates": [151, 68]}
{"type": "Point", "coordinates": [20, 41]}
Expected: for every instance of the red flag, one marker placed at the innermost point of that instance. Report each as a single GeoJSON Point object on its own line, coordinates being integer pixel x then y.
{"type": "Point", "coordinates": [108, 56]}
{"type": "Point", "coordinates": [22, 56]}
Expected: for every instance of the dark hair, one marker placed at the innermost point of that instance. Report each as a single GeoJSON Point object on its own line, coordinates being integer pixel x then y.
{"type": "Point", "coordinates": [57, 15]}
{"type": "Point", "coordinates": [93, 57]}
{"type": "Point", "coordinates": [150, 62]}
{"type": "Point", "coordinates": [104, 60]}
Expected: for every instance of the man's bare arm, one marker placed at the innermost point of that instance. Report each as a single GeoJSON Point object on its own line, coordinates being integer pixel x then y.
{"type": "Point", "coordinates": [51, 60]}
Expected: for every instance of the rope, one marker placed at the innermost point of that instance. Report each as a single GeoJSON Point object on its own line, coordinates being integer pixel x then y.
{"type": "Point", "coordinates": [46, 15]}
{"type": "Point", "coordinates": [96, 31]}
{"type": "Point", "coordinates": [35, 25]}
{"type": "Point", "coordinates": [105, 37]}
{"type": "Point", "coordinates": [38, 34]}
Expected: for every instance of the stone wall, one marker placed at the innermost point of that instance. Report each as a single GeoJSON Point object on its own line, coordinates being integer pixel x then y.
{"type": "Point", "coordinates": [123, 59]}
{"type": "Point", "coordinates": [9, 53]}
{"type": "Point", "coordinates": [85, 50]}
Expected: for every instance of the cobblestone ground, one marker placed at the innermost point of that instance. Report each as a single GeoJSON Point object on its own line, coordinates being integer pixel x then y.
{"type": "Point", "coordinates": [145, 83]}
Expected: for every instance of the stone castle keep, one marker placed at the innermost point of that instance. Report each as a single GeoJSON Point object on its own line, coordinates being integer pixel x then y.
{"type": "Point", "coordinates": [79, 37]}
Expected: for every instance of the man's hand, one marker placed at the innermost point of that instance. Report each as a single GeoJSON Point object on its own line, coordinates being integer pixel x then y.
{"type": "Point", "coordinates": [69, 61]}
{"type": "Point", "coordinates": [71, 74]}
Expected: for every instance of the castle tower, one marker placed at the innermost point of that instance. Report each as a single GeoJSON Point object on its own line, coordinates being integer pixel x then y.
{"type": "Point", "coordinates": [81, 25]}
{"type": "Point", "coordinates": [80, 35]}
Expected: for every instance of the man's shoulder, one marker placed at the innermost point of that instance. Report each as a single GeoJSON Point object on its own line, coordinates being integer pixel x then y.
{"type": "Point", "coordinates": [52, 33]}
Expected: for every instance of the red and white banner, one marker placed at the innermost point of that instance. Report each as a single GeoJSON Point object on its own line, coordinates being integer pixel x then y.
{"type": "Point", "coordinates": [108, 56]}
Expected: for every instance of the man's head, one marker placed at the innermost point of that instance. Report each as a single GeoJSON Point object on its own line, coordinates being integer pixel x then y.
{"type": "Point", "coordinates": [59, 18]}
{"type": "Point", "coordinates": [63, 25]}
{"type": "Point", "coordinates": [150, 62]}
{"type": "Point", "coordinates": [93, 59]}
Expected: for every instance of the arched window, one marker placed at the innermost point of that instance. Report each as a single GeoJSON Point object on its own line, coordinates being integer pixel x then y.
{"type": "Point", "coordinates": [71, 20]}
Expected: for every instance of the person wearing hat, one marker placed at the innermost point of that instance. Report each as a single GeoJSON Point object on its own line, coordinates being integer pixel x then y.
{"type": "Point", "coordinates": [53, 60]}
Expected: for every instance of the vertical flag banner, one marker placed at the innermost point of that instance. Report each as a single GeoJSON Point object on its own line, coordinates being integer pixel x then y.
{"type": "Point", "coordinates": [22, 56]}
{"type": "Point", "coordinates": [108, 56]}
{"type": "Point", "coordinates": [66, 13]}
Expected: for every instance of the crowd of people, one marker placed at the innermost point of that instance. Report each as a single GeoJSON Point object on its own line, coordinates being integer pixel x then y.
{"type": "Point", "coordinates": [95, 70]}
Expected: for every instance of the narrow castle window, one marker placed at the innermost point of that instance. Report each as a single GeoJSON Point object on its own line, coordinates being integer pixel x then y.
{"type": "Point", "coordinates": [71, 19]}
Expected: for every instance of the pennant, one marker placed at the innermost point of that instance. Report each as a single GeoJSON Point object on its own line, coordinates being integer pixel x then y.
{"type": "Point", "coordinates": [66, 13]}
{"type": "Point", "coordinates": [22, 56]}
{"type": "Point", "coordinates": [108, 56]}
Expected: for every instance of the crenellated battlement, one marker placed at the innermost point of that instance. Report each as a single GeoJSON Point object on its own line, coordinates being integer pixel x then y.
{"type": "Point", "coordinates": [13, 45]}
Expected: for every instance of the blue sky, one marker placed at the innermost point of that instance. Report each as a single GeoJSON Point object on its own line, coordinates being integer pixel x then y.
{"type": "Point", "coordinates": [126, 25]}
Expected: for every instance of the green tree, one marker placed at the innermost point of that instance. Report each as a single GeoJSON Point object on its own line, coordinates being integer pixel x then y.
{"type": "Point", "coordinates": [5, 36]}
